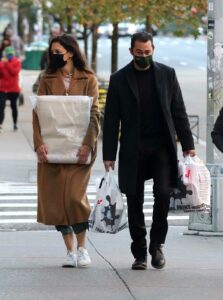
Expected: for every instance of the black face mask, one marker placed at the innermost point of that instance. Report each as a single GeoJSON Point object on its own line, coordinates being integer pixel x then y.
{"type": "Point", "coordinates": [143, 61]}
{"type": "Point", "coordinates": [57, 60]}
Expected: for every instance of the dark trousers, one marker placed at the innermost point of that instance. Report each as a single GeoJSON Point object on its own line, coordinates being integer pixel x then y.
{"type": "Point", "coordinates": [12, 97]}
{"type": "Point", "coordinates": [155, 165]}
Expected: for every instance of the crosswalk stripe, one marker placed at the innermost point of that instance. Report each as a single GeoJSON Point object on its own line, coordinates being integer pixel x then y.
{"type": "Point", "coordinates": [17, 197]}
{"type": "Point", "coordinates": [33, 213]}
{"type": "Point", "coordinates": [18, 213]}
{"type": "Point", "coordinates": [17, 221]}
{"type": "Point", "coordinates": [26, 221]}
{"type": "Point", "coordinates": [149, 218]}
{"type": "Point", "coordinates": [9, 189]}
{"type": "Point", "coordinates": [18, 204]}
{"type": "Point", "coordinates": [35, 204]}
{"type": "Point", "coordinates": [29, 197]}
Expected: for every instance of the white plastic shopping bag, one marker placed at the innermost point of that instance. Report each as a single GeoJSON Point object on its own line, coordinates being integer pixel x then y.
{"type": "Point", "coordinates": [188, 171]}
{"type": "Point", "coordinates": [108, 214]}
{"type": "Point", "coordinates": [194, 186]}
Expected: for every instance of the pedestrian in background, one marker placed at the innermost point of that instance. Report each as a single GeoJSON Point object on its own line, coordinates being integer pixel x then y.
{"type": "Point", "coordinates": [62, 199]}
{"type": "Point", "coordinates": [217, 133]}
{"type": "Point", "coordinates": [10, 67]}
{"type": "Point", "coordinates": [5, 43]}
{"type": "Point", "coordinates": [145, 103]}
{"type": "Point", "coordinates": [15, 40]}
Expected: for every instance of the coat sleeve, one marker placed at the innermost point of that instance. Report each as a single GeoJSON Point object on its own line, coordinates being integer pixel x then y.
{"type": "Point", "coordinates": [93, 128]}
{"type": "Point", "coordinates": [180, 117]}
{"type": "Point", "coordinates": [13, 67]}
{"type": "Point", "coordinates": [217, 133]}
{"type": "Point", "coordinates": [111, 122]}
{"type": "Point", "coordinates": [2, 69]}
{"type": "Point", "coordinates": [37, 138]}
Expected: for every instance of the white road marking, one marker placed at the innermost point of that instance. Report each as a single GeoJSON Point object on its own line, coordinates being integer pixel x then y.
{"type": "Point", "coordinates": [183, 63]}
{"type": "Point", "coordinates": [9, 193]}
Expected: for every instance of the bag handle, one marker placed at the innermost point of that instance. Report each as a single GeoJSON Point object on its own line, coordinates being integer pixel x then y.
{"type": "Point", "coordinates": [190, 159]}
{"type": "Point", "coordinates": [108, 178]}
{"type": "Point", "coordinates": [112, 176]}
{"type": "Point", "coordinates": [101, 182]}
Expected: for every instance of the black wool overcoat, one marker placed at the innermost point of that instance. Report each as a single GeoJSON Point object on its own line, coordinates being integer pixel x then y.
{"type": "Point", "coordinates": [217, 133]}
{"type": "Point", "coordinates": [122, 111]}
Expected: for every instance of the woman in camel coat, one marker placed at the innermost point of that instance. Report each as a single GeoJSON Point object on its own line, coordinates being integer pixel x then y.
{"type": "Point", "coordinates": [62, 199]}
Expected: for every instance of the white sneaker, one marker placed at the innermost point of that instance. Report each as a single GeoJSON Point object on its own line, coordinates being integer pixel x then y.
{"type": "Point", "coordinates": [83, 258]}
{"type": "Point", "coordinates": [70, 261]}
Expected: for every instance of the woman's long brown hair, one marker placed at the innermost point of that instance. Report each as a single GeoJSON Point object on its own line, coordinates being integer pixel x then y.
{"type": "Point", "coordinates": [71, 45]}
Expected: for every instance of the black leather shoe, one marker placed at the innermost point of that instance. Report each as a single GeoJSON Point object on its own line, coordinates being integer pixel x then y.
{"type": "Point", "coordinates": [158, 260]}
{"type": "Point", "coordinates": [140, 263]}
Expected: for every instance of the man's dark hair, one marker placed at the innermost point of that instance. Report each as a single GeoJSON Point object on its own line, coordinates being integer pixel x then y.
{"type": "Point", "coordinates": [141, 36]}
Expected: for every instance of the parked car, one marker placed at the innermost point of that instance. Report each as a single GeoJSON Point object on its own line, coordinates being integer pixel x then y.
{"type": "Point", "coordinates": [128, 29]}
{"type": "Point", "coordinates": [142, 27]}
{"type": "Point", "coordinates": [124, 29]}
{"type": "Point", "coordinates": [103, 29]}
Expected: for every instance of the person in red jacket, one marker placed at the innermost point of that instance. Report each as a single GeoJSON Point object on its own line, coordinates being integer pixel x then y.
{"type": "Point", "coordinates": [10, 67]}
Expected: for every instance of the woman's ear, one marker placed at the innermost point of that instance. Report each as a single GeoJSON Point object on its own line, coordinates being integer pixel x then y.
{"type": "Point", "coordinates": [70, 54]}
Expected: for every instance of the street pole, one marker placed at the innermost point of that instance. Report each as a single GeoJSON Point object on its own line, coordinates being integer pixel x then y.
{"type": "Point", "coordinates": [210, 80]}
{"type": "Point", "coordinates": [213, 221]}
{"type": "Point", "coordinates": [214, 104]}
{"type": "Point", "coordinates": [214, 73]}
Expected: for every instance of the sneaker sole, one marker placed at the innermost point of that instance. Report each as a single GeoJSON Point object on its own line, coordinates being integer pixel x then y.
{"type": "Point", "coordinates": [68, 266]}
{"type": "Point", "coordinates": [83, 266]}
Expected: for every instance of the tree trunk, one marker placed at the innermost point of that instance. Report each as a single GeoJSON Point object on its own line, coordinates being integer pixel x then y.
{"type": "Point", "coordinates": [114, 54]}
{"type": "Point", "coordinates": [30, 35]}
{"type": "Point", "coordinates": [85, 35]}
{"type": "Point", "coordinates": [69, 20]}
{"type": "Point", "coordinates": [20, 24]}
{"type": "Point", "coordinates": [148, 24]}
{"type": "Point", "coordinates": [61, 25]}
{"type": "Point", "coordinates": [94, 31]}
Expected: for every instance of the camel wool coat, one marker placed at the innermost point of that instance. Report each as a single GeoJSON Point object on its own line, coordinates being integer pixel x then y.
{"type": "Point", "coordinates": [62, 198]}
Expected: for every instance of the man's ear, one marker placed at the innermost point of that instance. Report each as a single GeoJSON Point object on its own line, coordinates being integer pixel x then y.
{"type": "Point", "coordinates": [130, 50]}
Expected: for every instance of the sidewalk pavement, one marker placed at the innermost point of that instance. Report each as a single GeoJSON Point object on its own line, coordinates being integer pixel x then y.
{"type": "Point", "coordinates": [30, 268]}
{"type": "Point", "coordinates": [30, 261]}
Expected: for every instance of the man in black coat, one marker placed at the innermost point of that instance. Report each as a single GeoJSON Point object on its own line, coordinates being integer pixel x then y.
{"type": "Point", "coordinates": [217, 133]}
{"type": "Point", "coordinates": [145, 103]}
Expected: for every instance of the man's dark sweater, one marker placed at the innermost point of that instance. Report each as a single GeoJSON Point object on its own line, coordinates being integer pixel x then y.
{"type": "Point", "coordinates": [151, 120]}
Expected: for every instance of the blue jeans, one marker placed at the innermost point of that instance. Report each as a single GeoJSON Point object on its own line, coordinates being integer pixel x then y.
{"type": "Point", "coordinates": [76, 228]}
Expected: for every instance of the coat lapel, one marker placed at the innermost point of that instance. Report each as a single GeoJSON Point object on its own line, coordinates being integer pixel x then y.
{"type": "Point", "coordinates": [158, 75]}
{"type": "Point", "coordinates": [131, 78]}
{"type": "Point", "coordinates": [78, 84]}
